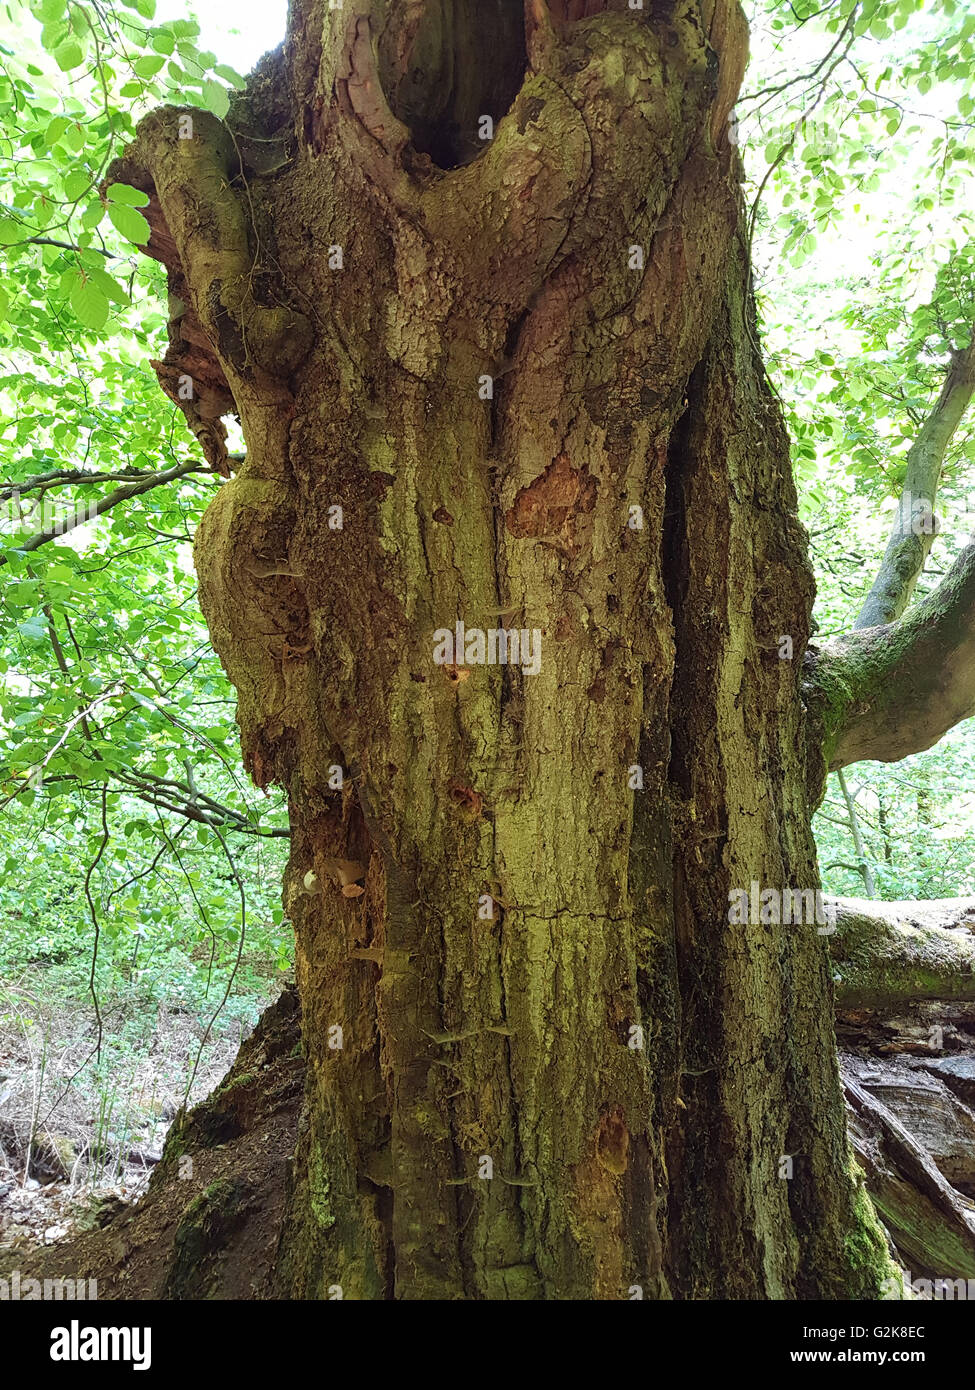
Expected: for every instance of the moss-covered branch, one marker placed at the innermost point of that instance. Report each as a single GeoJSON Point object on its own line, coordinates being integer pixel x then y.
{"type": "Point", "coordinates": [885, 692]}
{"type": "Point", "coordinates": [890, 954]}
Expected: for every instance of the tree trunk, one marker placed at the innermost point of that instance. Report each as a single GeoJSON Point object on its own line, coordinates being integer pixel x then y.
{"type": "Point", "coordinates": [542, 1060]}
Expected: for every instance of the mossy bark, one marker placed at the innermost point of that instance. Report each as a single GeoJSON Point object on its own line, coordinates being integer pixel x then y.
{"type": "Point", "coordinates": [886, 692]}
{"type": "Point", "coordinates": [542, 1063]}
{"type": "Point", "coordinates": [891, 954]}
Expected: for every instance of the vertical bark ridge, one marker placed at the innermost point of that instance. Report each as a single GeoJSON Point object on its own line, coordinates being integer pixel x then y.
{"type": "Point", "coordinates": [759, 1085]}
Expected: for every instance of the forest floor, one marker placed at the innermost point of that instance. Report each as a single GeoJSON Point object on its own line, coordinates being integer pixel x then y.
{"type": "Point", "coordinates": [213, 1200]}
{"type": "Point", "coordinates": [209, 1223]}
{"type": "Point", "coordinates": [81, 1134]}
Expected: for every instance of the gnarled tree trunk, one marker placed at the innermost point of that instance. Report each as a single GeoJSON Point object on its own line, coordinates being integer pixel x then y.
{"type": "Point", "coordinates": [519, 388]}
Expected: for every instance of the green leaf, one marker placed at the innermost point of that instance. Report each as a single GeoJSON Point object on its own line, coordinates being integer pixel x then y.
{"type": "Point", "coordinates": [74, 137]}
{"type": "Point", "coordinates": [216, 97]}
{"type": "Point", "coordinates": [123, 193]}
{"type": "Point", "coordinates": [54, 33]}
{"type": "Point", "coordinates": [229, 74]}
{"type": "Point", "coordinates": [93, 214]}
{"type": "Point", "coordinates": [148, 65]}
{"type": "Point", "coordinates": [107, 284]}
{"type": "Point", "coordinates": [129, 223]}
{"type": "Point", "coordinates": [34, 628]}
{"type": "Point", "coordinates": [22, 593]}
{"type": "Point", "coordinates": [76, 184]}
{"type": "Point", "coordinates": [55, 130]}
{"type": "Point", "coordinates": [69, 54]}
{"type": "Point", "coordinates": [88, 303]}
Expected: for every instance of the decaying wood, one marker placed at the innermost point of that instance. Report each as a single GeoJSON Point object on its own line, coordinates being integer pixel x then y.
{"type": "Point", "coordinates": [931, 1223]}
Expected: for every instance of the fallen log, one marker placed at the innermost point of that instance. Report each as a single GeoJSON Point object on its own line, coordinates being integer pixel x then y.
{"type": "Point", "coordinates": [932, 1224]}
{"type": "Point", "coordinates": [889, 954]}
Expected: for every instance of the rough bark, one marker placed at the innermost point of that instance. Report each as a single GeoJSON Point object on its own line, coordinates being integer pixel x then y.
{"type": "Point", "coordinates": [211, 1223]}
{"type": "Point", "coordinates": [511, 1035]}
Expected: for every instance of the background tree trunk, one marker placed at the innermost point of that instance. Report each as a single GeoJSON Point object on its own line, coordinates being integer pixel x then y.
{"type": "Point", "coordinates": [542, 1063]}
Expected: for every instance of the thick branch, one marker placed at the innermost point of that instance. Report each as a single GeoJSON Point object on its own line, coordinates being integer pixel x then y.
{"type": "Point", "coordinates": [887, 955]}
{"type": "Point", "coordinates": [913, 533]}
{"type": "Point", "coordinates": [188, 162]}
{"type": "Point", "coordinates": [886, 692]}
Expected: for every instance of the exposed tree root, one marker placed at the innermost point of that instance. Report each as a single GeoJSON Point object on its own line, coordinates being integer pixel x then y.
{"type": "Point", "coordinates": [208, 1227]}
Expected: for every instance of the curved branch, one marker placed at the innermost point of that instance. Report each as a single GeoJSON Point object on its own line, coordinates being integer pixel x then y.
{"type": "Point", "coordinates": [61, 477]}
{"type": "Point", "coordinates": [886, 692]}
{"type": "Point", "coordinates": [92, 510]}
